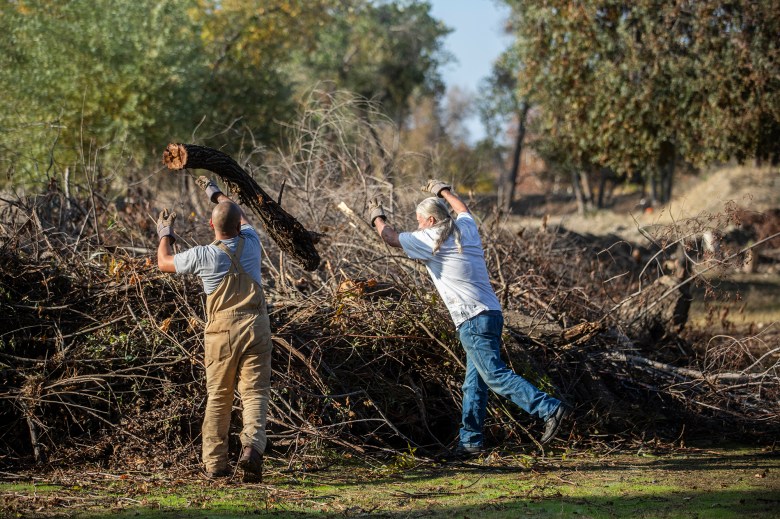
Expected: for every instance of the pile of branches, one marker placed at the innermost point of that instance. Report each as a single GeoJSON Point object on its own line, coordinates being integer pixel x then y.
{"type": "Point", "coordinates": [101, 354]}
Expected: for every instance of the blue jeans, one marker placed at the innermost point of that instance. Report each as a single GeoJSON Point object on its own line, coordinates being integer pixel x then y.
{"type": "Point", "coordinates": [481, 339]}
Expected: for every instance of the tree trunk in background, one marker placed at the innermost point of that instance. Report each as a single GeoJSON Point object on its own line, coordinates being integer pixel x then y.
{"type": "Point", "coordinates": [575, 184]}
{"type": "Point", "coordinates": [602, 188]}
{"type": "Point", "coordinates": [667, 161]}
{"type": "Point", "coordinates": [506, 188]}
{"type": "Point", "coordinates": [654, 189]}
{"type": "Point", "coordinates": [607, 180]}
{"type": "Point", "coordinates": [587, 190]}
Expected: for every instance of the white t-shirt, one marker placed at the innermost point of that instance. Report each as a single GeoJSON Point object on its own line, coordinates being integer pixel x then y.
{"type": "Point", "coordinates": [212, 263]}
{"type": "Point", "coordinates": [461, 278]}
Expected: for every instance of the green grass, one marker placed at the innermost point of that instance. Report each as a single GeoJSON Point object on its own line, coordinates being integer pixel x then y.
{"type": "Point", "coordinates": [724, 484]}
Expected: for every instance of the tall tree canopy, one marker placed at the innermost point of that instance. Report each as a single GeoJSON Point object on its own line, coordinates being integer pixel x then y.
{"type": "Point", "coordinates": [75, 71]}
{"type": "Point", "coordinates": [133, 76]}
{"type": "Point", "coordinates": [249, 47]}
{"type": "Point", "coordinates": [632, 85]}
{"type": "Point", "coordinates": [383, 51]}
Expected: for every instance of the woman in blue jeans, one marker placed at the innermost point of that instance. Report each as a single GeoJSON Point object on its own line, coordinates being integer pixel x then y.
{"type": "Point", "coordinates": [452, 252]}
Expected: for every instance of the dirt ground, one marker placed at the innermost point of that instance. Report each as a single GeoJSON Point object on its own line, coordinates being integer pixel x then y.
{"type": "Point", "coordinates": [703, 194]}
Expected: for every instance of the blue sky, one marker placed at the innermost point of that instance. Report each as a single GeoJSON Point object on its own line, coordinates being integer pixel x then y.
{"type": "Point", "coordinates": [476, 41]}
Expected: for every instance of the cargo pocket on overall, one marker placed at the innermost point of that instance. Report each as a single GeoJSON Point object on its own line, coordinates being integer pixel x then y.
{"type": "Point", "coordinates": [218, 346]}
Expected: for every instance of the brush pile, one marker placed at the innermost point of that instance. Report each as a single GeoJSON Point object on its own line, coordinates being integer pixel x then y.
{"type": "Point", "coordinates": [101, 354]}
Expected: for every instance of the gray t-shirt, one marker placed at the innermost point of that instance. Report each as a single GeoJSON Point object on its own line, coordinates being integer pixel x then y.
{"type": "Point", "coordinates": [211, 263]}
{"type": "Point", "coordinates": [461, 278]}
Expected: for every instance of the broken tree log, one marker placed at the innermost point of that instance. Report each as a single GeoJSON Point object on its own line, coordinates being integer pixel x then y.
{"type": "Point", "coordinates": [284, 229]}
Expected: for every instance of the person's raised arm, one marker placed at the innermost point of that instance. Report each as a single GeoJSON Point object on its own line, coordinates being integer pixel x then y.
{"type": "Point", "coordinates": [455, 202]}
{"type": "Point", "coordinates": [376, 215]}
{"type": "Point", "coordinates": [216, 195]}
{"type": "Point", "coordinates": [444, 190]}
{"type": "Point", "coordinates": [167, 238]}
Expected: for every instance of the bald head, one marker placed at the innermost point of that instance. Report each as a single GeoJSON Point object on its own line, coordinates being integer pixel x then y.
{"type": "Point", "coordinates": [226, 218]}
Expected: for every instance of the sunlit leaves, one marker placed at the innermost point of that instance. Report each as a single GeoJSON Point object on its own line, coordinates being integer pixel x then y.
{"type": "Point", "coordinates": [136, 75]}
{"type": "Point", "coordinates": [110, 71]}
{"type": "Point", "coordinates": [383, 51]}
{"type": "Point", "coordinates": [618, 80]}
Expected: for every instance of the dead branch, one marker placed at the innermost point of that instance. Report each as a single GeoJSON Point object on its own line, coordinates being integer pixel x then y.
{"type": "Point", "coordinates": [285, 230]}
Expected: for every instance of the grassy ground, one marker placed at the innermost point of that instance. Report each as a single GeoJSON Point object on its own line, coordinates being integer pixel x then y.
{"type": "Point", "coordinates": [688, 483]}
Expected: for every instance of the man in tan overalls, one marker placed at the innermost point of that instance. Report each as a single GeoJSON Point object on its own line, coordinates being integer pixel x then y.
{"type": "Point", "coordinates": [238, 332]}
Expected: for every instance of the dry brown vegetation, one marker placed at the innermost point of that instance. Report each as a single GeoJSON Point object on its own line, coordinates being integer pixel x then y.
{"type": "Point", "coordinates": [101, 353]}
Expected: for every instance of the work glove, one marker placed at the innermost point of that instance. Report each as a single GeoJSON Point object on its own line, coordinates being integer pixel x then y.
{"type": "Point", "coordinates": [435, 187]}
{"type": "Point", "coordinates": [375, 210]}
{"type": "Point", "coordinates": [165, 225]}
{"type": "Point", "coordinates": [208, 185]}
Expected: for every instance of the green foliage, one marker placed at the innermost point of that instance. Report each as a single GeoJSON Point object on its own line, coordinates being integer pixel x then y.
{"type": "Point", "coordinates": [126, 78]}
{"type": "Point", "coordinates": [618, 82]}
{"type": "Point", "coordinates": [383, 51]}
{"type": "Point", "coordinates": [249, 83]}
{"type": "Point", "coordinates": [79, 71]}
{"type": "Point", "coordinates": [501, 103]}
{"type": "Point", "coordinates": [402, 462]}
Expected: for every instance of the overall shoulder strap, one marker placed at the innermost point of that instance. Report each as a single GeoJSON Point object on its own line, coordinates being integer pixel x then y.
{"type": "Point", "coordinates": [236, 264]}
{"type": "Point", "coordinates": [240, 248]}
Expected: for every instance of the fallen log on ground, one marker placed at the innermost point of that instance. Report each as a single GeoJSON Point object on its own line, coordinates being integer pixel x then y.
{"type": "Point", "coordinates": [284, 229]}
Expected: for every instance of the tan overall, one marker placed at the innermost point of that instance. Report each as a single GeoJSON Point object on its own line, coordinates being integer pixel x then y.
{"type": "Point", "coordinates": [238, 349]}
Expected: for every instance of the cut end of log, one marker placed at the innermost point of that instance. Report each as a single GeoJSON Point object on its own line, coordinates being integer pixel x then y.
{"type": "Point", "coordinates": [175, 156]}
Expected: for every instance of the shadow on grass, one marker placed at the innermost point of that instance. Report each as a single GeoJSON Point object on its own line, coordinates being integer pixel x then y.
{"type": "Point", "coordinates": [702, 484]}
{"type": "Point", "coordinates": [674, 503]}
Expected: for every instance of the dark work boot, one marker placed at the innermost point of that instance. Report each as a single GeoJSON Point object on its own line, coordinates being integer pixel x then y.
{"type": "Point", "coordinates": [466, 452]}
{"type": "Point", "coordinates": [218, 473]}
{"type": "Point", "coordinates": [554, 422]}
{"type": "Point", "coordinates": [463, 453]}
{"type": "Point", "coordinates": [251, 462]}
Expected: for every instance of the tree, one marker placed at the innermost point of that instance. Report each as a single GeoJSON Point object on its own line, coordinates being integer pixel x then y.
{"type": "Point", "coordinates": [129, 77]}
{"type": "Point", "coordinates": [498, 109]}
{"type": "Point", "coordinates": [71, 74]}
{"type": "Point", "coordinates": [634, 86]}
{"type": "Point", "coordinates": [387, 52]}
{"type": "Point", "coordinates": [250, 82]}
{"type": "Point", "coordinates": [383, 51]}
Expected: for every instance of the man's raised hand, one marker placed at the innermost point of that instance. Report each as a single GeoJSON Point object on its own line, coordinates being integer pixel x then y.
{"type": "Point", "coordinates": [209, 186]}
{"type": "Point", "coordinates": [165, 225]}
{"type": "Point", "coordinates": [435, 187]}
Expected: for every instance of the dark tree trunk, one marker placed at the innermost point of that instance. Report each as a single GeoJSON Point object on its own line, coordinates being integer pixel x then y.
{"type": "Point", "coordinates": [286, 231]}
{"type": "Point", "coordinates": [602, 189]}
{"type": "Point", "coordinates": [587, 191]}
{"type": "Point", "coordinates": [509, 180]}
{"type": "Point", "coordinates": [654, 190]}
{"type": "Point", "coordinates": [667, 161]}
{"type": "Point", "coordinates": [577, 187]}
